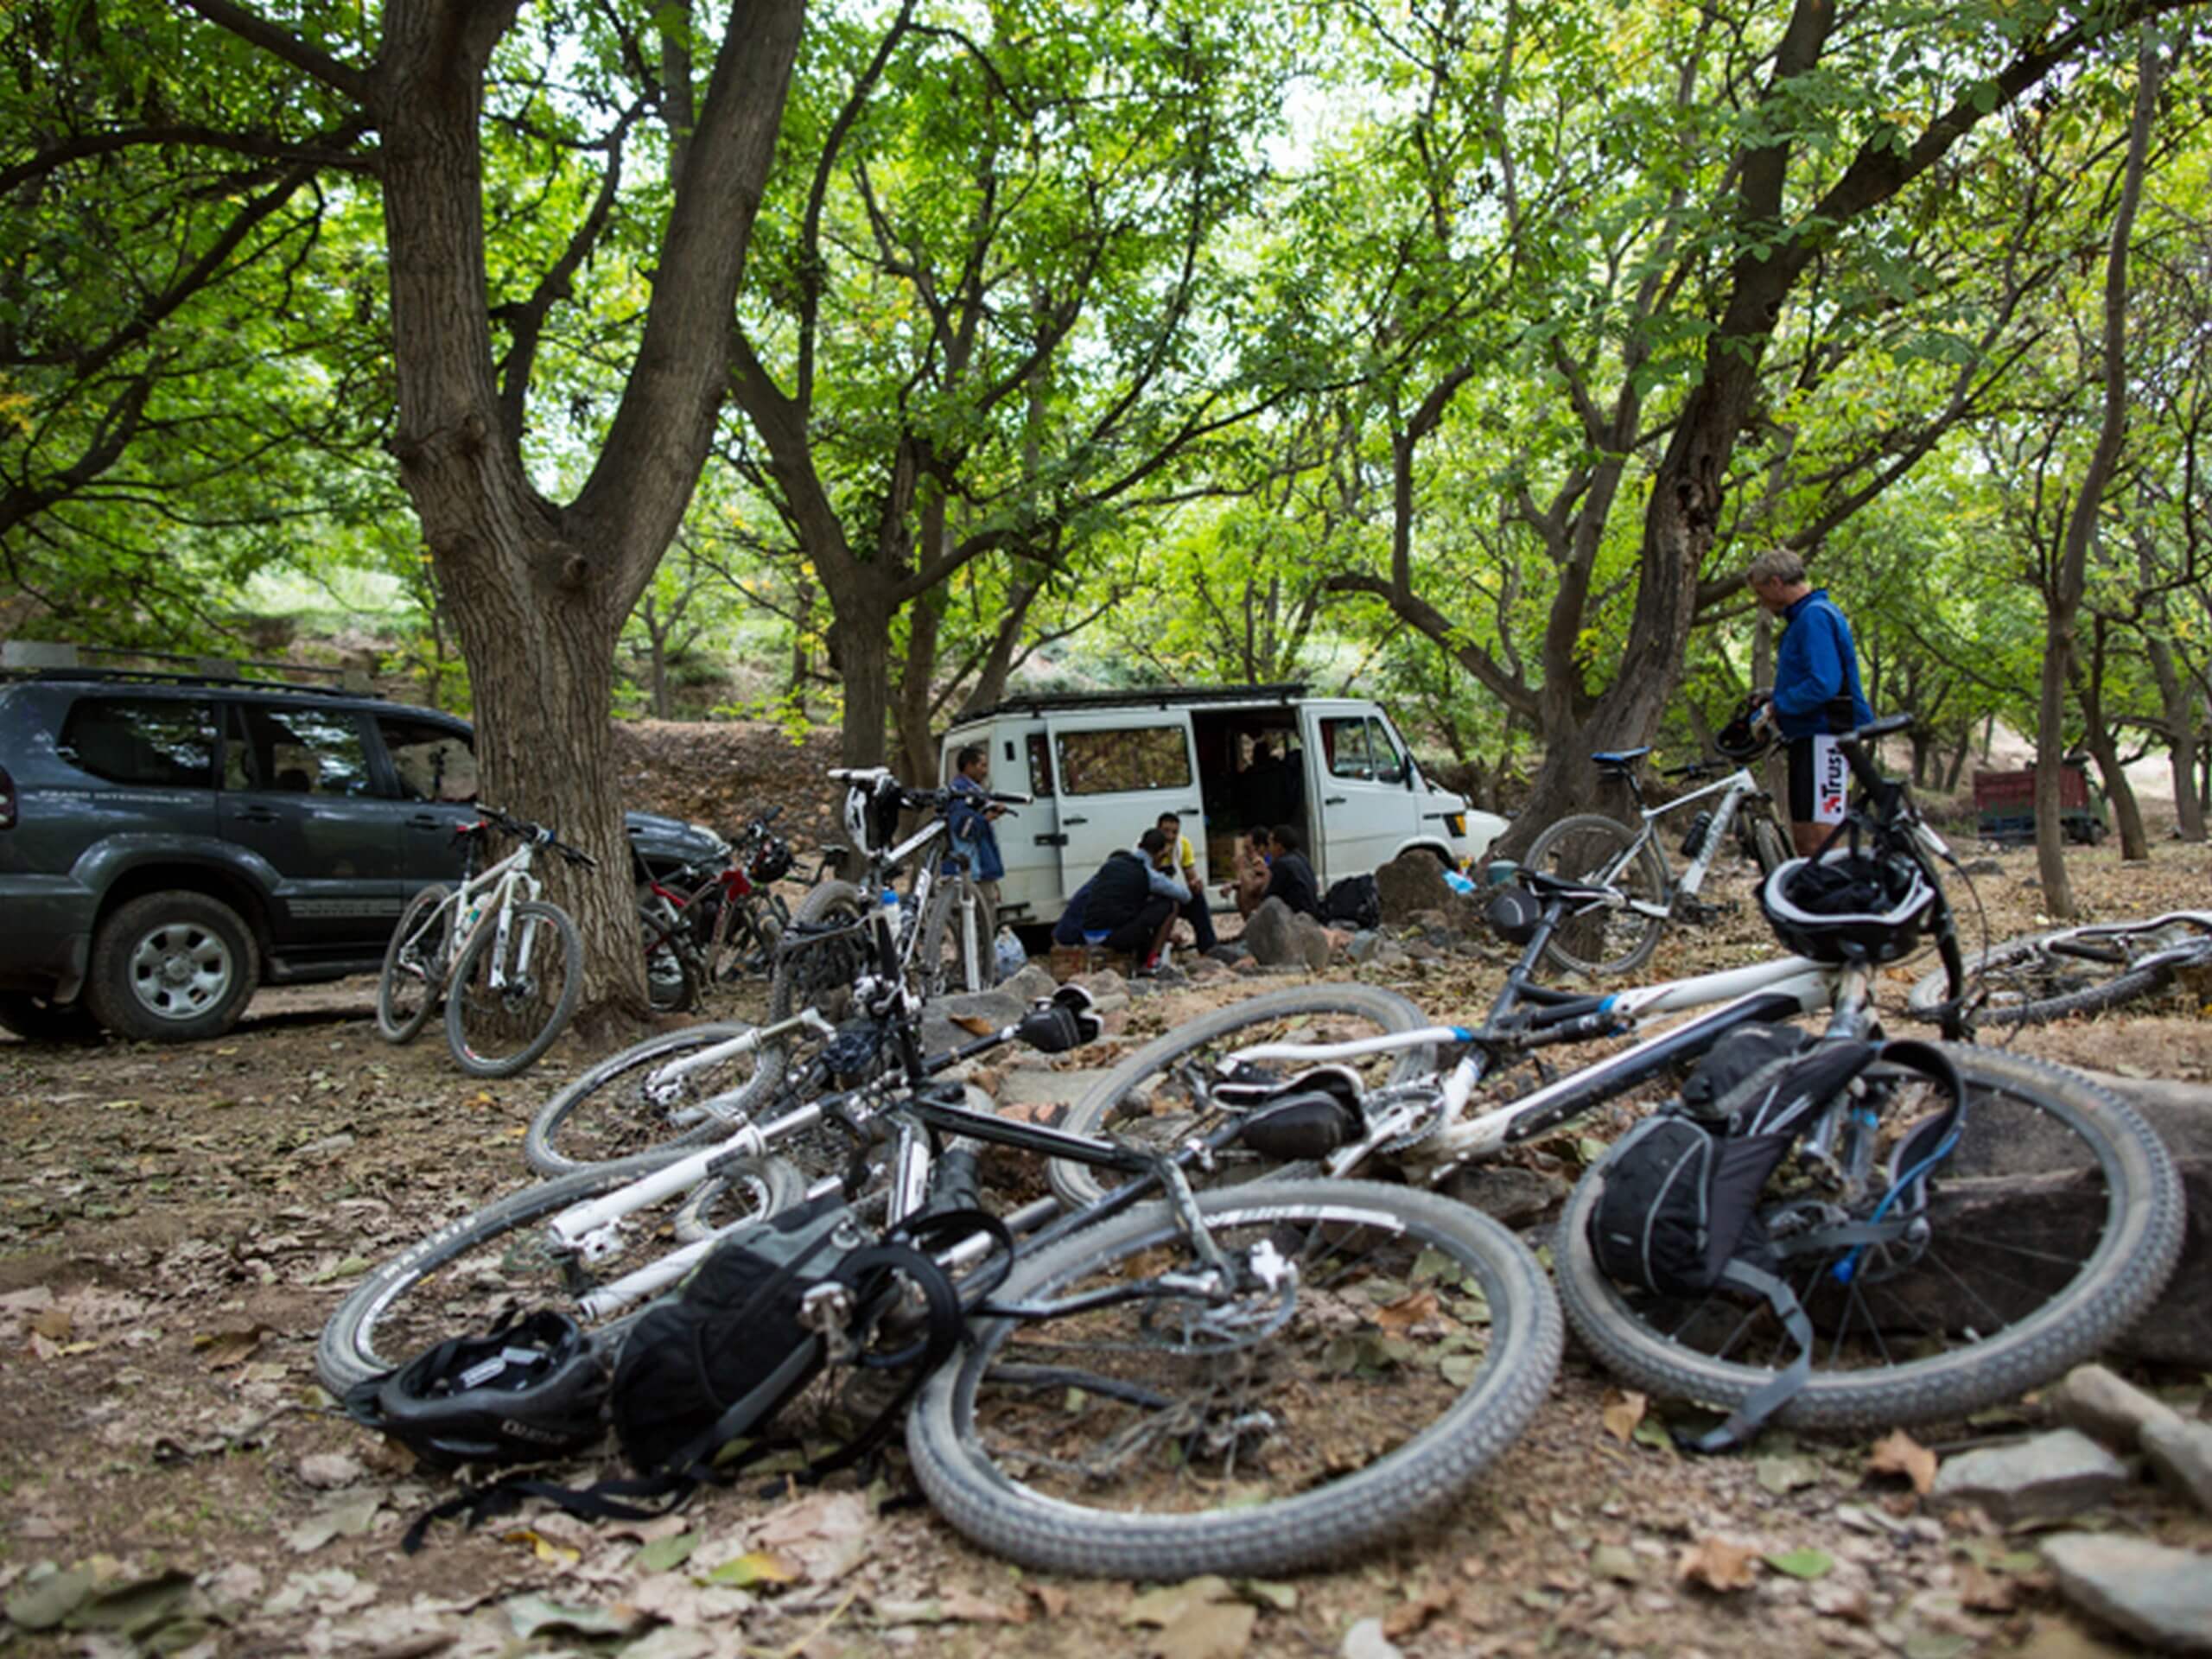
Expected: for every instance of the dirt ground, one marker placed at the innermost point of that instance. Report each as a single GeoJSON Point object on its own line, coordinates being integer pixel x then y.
{"type": "Point", "coordinates": [177, 1223]}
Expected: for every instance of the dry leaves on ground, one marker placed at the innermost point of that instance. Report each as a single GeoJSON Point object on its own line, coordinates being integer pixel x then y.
{"type": "Point", "coordinates": [1898, 1453]}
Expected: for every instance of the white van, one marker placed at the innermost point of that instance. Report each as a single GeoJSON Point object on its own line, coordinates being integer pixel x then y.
{"type": "Point", "coordinates": [1104, 766]}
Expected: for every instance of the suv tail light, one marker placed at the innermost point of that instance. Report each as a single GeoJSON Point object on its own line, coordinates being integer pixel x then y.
{"type": "Point", "coordinates": [6, 800]}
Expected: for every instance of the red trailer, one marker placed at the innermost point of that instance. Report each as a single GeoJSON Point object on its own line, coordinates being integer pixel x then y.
{"type": "Point", "coordinates": [2005, 804]}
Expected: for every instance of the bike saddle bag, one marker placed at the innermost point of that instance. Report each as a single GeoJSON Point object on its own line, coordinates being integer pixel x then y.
{"type": "Point", "coordinates": [1306, 1116]}
{"type": "Point", "coordinates": [1513, 913]}
{"type": "Point", "coordinates": [1068, 1019]}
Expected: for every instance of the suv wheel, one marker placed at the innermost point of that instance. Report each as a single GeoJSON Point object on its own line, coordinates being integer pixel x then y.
{"type": "Point", "coordinates": [37, 1020]}
{"type": "Point", "coordinates": [172, 968]}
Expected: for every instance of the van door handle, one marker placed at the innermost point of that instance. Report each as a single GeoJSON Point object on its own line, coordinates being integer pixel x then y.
{"type": "Point", "coordinates": [1332, 800]}
{"type": "Point", "coordinates": [255, 814]}
{"type": "Point", "coordinates": [1075, 820]}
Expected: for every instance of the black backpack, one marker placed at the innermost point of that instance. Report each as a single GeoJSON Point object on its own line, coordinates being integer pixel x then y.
{"type": "Point", "coordinates": [1356, 902]}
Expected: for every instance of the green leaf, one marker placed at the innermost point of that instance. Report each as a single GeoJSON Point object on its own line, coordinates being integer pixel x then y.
{"type": "Point", "coordinates": [662, 1553]}
{"type": "Point", "coordinates": [1806, 1563]}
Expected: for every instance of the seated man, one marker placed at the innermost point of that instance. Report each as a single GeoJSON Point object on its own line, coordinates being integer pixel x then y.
{"type": "Point", "coordinates": [1250, 885]}
{"type": "Point", "coordinates": [1133, 901]}
{"type": "Point", "coordinates": [1181, 860]}
{"type": "Point", "coordinates": [1290, 878]}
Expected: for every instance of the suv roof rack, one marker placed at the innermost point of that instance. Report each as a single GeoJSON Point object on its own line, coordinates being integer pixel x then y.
{"type": "Point", "coordinates": [42, 659]}
{"type": "Point", "coordinates": [1140, 696]}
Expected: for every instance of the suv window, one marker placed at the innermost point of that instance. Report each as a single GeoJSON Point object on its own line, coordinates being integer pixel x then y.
{"type": "Point", "coordinates": [149, 740]}
{"type": "Point", "coordinates": [302, 751]}
{"type": "Point", "coordinates": [1112, 762]}
{"type": "Point", "coordinates": [435, 763]}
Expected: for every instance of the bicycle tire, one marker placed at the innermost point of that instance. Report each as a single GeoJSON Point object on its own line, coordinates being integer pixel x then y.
{"type": "Point", "coordinates": [2016, 1108]}
{"type": "Point", "coordinates": [396, 1022]}
{"type": "Point", "coordinates": [1097, 1109]}
{"type": "Point", "coordinates": [672, 977]}
{"type": "Point", "coordinates": [508, 1015]}
{"type": "Point", "coordinates": [1771, 850]}
{"type": "Point", "coordinates": [2029, 986]}
{"type": "Point", "coordinates": [938, 956]}
{"type": "Point", "coordinates": [819, 973]}
{"type": "Point", "coordinates": [410, 1302]}
{"type": "Point", "coordinates": [604, 1116]}
{"type": "Point", "coordinates": [1590, 847]}
{"type": "Point", "coordinates": [1336, 1403]}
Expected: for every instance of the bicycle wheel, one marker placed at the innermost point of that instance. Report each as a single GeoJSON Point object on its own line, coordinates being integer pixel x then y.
{"type": "Point", "coordinates": [1161, 1437]}
{"type": "Point", "coordinates": [1602, 939]}
{"type": "Point", "coordinates": [464, 1276]}
{"type": "Point", "coordinates": [504, 1008]}
{"type": "Point", "coordinates": [671, 981]}
{"type": "Point", "coordinates": [1147, 1100]}
{"type": "Point", "coordinates": [2054, 1224]}
{"type": "Point", "coordinates": [414, 966]}
{"type": "Point", "coordinates": [819, 973]}
{"type": "Point", "coordinates": [622, 1106]}
{"type": "Point", "coordinates": [746, 943]}
{"type": "Point", "coordinates": [941, 956]}
{"type": "Point", "coordinates": [2035, 978]}
{"type": "Point", "coordinates": [1769, 848]}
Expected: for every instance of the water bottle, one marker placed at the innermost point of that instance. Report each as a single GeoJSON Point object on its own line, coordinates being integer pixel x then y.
{"type": "Point", "coordinates": [1459, 883]}
{"type": "Point", "coordinates": [1694, 842]}
{"type": "Point", "coordinates": [890, 909]}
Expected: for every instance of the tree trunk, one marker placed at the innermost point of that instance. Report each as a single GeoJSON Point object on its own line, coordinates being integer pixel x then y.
{"type": "Point", "coordinates": [2104, 746]}
{"type": "Point", "coordinates": [2178, 701]}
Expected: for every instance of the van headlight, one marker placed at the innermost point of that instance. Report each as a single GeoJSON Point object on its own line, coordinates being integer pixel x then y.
{"type": "Point", "coordinates": [1456, 823]}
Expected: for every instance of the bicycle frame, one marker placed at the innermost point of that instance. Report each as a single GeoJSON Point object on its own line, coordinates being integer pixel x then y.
{"type": "Point", "coordinates": [1733, 791]}
{"type": "Point", "coordinates": [504, 879]}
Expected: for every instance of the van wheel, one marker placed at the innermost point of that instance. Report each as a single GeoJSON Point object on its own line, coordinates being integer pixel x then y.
{"type": "Point", "coordinates": [172, 968]}
{"type": "Point", "coordinates": [37, 1020]}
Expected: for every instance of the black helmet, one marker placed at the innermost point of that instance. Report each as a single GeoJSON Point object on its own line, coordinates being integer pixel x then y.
{"type": "Point", "coordinates": [529, 1390]}
{"type": "Point", "coordinates": [1848, 906]}
{"type": "Point", "coordinates": [1739, 739]}
{"type": "Point", "coordinates": [771, 861]}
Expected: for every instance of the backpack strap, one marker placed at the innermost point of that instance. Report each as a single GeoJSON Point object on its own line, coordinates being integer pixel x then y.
{"type": "Point", "coordinates": [1777, 1391]}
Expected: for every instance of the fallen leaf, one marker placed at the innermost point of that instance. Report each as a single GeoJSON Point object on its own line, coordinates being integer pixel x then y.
{"type": "Point", "coordinates": [343, 1515]}
{"type": "Point", "coordinates": [978, 1610]}
{"type": "Point", "coordinates": [545, 1549]}
{"type": "Point", "coordinates": [823, 1537]}
{"type": "Point", "coordinates": [44, 1599]}
{"type": "Point", "coordinates": [1781, 1475]}
{"type": "Point", "coordinates": [1718, 1565]}
{"type": "Point", "coordinates": [1806, 1563]}
{"type": "Point", "coordinates": [662, 1553]}
{"type": "Point", "coordinates": [1283, 1597]}
{"type": "Point", "coordinates": [1933, 1645]}
{"type": "Point", "coordinates": [754, 1566]}
{"type": "Point", "coordinates": [529, 1615]}
{"type": "Point", "coordinates": [1618, 1562]}
{"type": "Point", "coordinates": [220, 1349]}
{"type": "Point", "coordinates": [1898, 1453]}
{"type": "Point", "coordinates": [1171, 1601]}
{"type": "Point", "coordinates": [1365, 1640]}
{"type": "Point", "coordinates": [1411, 1616]}
{"type": "Point", "coordinates": [974, 1024]}
{"type": "Point", "coordinates": [1985, 1592]}
{"type": "Point", "coordinates": [1208, 1630]}
{"type": "Point", "coordinates": [55, 1323]}
{"type": "Point", "coordinates": [1408, 1312]}
{"type": "Point", "coordinates": [332, 1590]}
{"type": "Point", "coordinates": [1623, 1412]}
{"type": "Point", "coordinates": [327, 1469]}
{"type": "Point", "coordinates": [1050, 1597]}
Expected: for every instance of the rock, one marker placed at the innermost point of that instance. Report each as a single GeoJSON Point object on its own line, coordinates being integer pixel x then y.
{"type": "Point", "coordinates": [2159, 1595]}
{"type": "Point", "coordinates": [1422, 950]}
{"type": "Point", "coordinates": [1108, 990]}
{"type": "Point", "coordinates": [1513, 1195]}
{"type": "Point", "coordinates": [2097, 1402]}
{"type": "Point", "coordinates": [1246, 965]}
{"type": "Point", "coordinates": [1208, 969]}
{"type": "Point", "coordinates": [1313, 941]}
{"type": "Point", "coordinates": [2182, 1453]}
{"type": "Point", "coordinates": [1230, 952]}
{"type": "Point", "coordinates": [1033, 983]}
{"type": "Point", "coordinates": [1271, 935]}
{"type": "Point", "coordinates": [1427, 922]}
{"type": "Point", "coordinates": [1365, 1640]}
{"type": "Point", "coordinates": [2177, 1329]}
{"type": "Point", "coordinates": [1412, 881]}
{"type": "Point", "coordinates": [1363, 945]}
{"type": "Point", "coordinates": [2042, 1478]}
{"type": "Point", "coordinates": [1391, 956]}
{"type": "Point", "coordinates": [1036, 1093]}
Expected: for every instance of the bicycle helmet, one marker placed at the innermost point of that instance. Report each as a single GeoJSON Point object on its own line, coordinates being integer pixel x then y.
{"type": "Point", "coordinates": [1740, 740]}
{"type": "Point", "coordinates": [872, 807]}
{"type": "Point", "coordinates": [529, 1391]}
{"type": "Point", "coordinates": [770, 862]}
{"type": "Point", "coordinates": [1847, 905]}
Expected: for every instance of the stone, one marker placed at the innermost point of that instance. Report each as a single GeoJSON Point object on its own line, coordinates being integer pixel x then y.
{"type": "Point", "coordinates": [1109, 990]}
{"type": "Point", "coordinates": [1313, 941]}
{"type": "Point", "coordinates": [1032, 1087]}
{"type": "Point", "coordinates": [940, 1030]}
{"type": "Point", "coordinates": [1033, 983]}
{"type": "Point", "coordinates": [1363, 945]}
{"type": "Point", "coordinates": [1515, 1196]}
{"type": "Point", "coordinates": [1271, 935]}
{"type": "Point", "coordinates": [1412, 881]}
{"type": "Point", "coordinates": [2182, 1453]}
{"type": "Point", "coordinates": [2177, 1328]}
{"type": "Point", "coordinates": [2097, 1402]}
{"type": "Point", "coordinates": [1422, 950]}
{"type": "Point", "coordinates": [2042, 1478]}
{"type": "Point", "coordinates": [2155, 1593]}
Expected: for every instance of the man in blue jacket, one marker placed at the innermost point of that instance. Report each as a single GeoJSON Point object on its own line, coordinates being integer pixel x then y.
{"type": "Point", "coordinates": [970, 823]}
{"type": "Point", "coordinates": [1816, 692]}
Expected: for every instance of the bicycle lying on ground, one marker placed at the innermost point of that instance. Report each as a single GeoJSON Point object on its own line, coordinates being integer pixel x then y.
{"type": "Point", "coordinates": [2041, 1146]}
{"type": "Point", "coordinates": [508, 965]}
{"type": "Point", "coordinates": [2081, 970]}
{"type": "Point", "coordinates": [1163, 1382]}
{"type": "Point", "coordinates": [706, 927]}
{"type": "Point", "coordinates": [1635, 890]}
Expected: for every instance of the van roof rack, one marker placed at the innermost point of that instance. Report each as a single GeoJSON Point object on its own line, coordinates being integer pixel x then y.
{"type": "Point", "coordinates": [45, 659]}
{"type": "Point", "coordinates": [1140, 696]}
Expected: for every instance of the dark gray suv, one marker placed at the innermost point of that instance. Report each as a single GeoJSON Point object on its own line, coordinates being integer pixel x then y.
{"type": "Point", "coordinates": [168, 843]}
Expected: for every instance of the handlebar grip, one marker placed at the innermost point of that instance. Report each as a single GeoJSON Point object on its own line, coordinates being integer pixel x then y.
{"type": "Point", "coordinates": [1882, 727]}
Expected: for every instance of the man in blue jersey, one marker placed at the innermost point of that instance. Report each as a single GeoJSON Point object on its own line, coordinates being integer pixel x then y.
{"type": "Point", "coordinates": [1816, 692]}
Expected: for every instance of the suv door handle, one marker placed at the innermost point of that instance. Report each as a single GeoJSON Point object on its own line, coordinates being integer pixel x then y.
{"type": "Point", "coordinates": [255, 814]}
{"type": "Point", "coordinates": [424, 821]}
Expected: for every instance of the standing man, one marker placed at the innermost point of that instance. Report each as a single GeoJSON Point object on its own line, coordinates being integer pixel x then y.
{"type": "Point", "coordinates": [971, 825]}
{"type": "Point", "coordinates": [1199, 911]}
{"type": "Point", "coordinates": [1815, 693]}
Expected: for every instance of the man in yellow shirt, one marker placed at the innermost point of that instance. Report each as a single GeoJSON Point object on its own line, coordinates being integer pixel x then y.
{"type": "Point", "coordinates": [1179, 857]}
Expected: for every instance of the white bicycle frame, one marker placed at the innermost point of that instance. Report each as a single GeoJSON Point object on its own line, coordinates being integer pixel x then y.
{"type": "Point", "coordinates": [511, 877]}
{"type": "Point", "coordinates": [1734, 790]}
{"type": "Point", "coordinates": [1781, 988]}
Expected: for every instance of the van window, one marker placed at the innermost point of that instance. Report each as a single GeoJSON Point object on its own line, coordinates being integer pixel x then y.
{"type": "Point", "coordinates": [1040, 766]}
{"type": "Point", "coordinates": [1132, 757]}
{"type": "Point", "coordinates": [146, 740]}
{"type": "Point", "coordinates": [1357, 746]}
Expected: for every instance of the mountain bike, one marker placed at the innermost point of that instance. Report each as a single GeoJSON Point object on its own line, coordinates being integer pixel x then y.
{"type": "Point", "coordinates": [1167, 1382]}
{"type": "Point", "coordinates": [2082, 969]}
{"type": "Point", "coordinates": [945, 924]}
{"type": "Point", "coordinates": [706, 926]}
{"type": "Point", "coordinates": [508, 965]}
{"type": "Point", "coordinates": [2038, 1137]}
{"type": "Point", "coordinates": [1636, 890]}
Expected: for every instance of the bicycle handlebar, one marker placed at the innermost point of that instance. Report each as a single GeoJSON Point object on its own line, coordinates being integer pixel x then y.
{"type": "Point", "coordinates": [537, 835]}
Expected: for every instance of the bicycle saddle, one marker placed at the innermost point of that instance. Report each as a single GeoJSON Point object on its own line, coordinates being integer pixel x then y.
{"type": "Point", "coordinates": [1621, 757]}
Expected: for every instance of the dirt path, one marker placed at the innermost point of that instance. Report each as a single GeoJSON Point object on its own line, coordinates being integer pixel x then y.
{"type": "Point", "coordinates": [178, 1222]}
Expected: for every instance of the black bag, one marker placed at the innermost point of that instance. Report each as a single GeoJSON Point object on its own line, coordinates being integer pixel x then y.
{"type": "Point", "coordinates": [1356, 902]}
{"type": "Point", "coordinates": [1738, 1054]}
{"type": "Point", "coordinates": [1678, 1213]}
